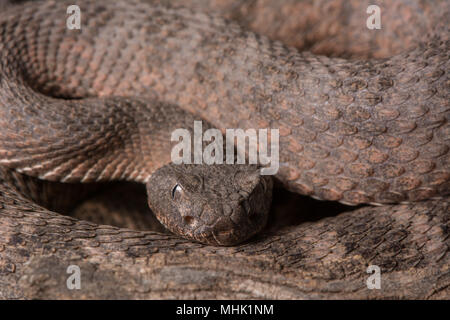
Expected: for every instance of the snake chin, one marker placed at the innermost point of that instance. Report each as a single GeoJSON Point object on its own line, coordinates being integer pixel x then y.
{"type": "Point", "coordinates": [220, 205]}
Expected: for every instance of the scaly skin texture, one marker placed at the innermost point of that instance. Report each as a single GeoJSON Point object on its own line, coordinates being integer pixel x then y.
{"type": "Point", "coordinates": [332, 28]}
{"type": "Point", "coordinates": [356, 132]}
{"type": "Point", "coordinates": [326, 259]}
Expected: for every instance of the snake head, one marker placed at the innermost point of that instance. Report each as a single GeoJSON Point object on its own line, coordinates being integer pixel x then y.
{"type": "Point", "coordinates": [213, 204]}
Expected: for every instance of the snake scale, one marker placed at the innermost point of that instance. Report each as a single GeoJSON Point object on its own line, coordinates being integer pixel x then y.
{"type": "Point", "coordinates": [99, 104]}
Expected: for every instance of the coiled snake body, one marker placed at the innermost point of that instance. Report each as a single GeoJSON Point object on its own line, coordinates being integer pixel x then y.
{"type": "Point", "coordinates": [84, 106]}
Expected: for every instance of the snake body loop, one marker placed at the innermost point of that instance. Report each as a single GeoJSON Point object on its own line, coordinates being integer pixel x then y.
{"type": "Point", "coordinates": [99, 104]}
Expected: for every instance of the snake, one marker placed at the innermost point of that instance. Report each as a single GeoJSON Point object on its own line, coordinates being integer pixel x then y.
{"type": "Point", "coordinates": [99, 103]}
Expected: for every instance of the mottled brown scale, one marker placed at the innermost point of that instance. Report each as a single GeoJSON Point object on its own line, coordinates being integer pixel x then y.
{"type": "Point", "coordinates": [373, 131]}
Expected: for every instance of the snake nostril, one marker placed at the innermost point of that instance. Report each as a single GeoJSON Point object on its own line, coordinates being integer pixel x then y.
{"type": "Point", "coordinates": [189, 220]}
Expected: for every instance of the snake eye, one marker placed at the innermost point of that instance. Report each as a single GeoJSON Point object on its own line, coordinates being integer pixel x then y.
{"type": "Point", "coordinates": [175, 190]}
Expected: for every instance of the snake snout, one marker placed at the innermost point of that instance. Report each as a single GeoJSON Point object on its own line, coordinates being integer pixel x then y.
{"type": "Point", "coordinates": [224, 233]}
{"type": "Point", "coordinates": [237, 226]}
